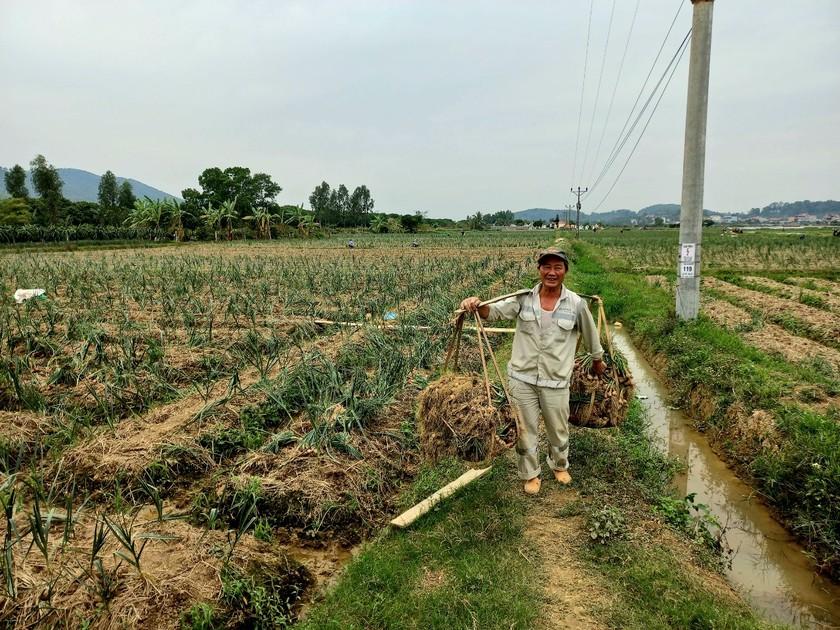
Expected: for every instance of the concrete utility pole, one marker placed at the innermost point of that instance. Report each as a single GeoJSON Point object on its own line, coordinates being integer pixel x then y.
{"type": "Point", "coordinates": [578, 192]}
{"type": "Point", "coordinates": [568, 215]}
{"type": "Point", "coordinates": [694, 162]}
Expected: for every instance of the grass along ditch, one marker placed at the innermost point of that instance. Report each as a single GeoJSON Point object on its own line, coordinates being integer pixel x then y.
{"type": "Point", "coordinates": [794, 461]}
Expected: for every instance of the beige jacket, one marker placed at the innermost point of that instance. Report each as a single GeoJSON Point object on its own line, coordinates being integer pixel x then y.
{"type": "Point", "coordinates": [547, 357]}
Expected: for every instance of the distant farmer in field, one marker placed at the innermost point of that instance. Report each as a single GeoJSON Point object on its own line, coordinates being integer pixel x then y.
{"type": "Point", "coordinates": [549, 319]}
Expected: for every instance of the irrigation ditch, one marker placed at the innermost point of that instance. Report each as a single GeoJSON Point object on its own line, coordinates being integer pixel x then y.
{"type": "Point", "coordinates": [766, 562]}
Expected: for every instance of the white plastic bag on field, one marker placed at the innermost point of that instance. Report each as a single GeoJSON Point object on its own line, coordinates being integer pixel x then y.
{"type": "Point", "coordinates": [21, 295]}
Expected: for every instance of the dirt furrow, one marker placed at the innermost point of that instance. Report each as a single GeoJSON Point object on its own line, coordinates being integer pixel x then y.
{"type": "Point", "coordinates": [777, 340]}
{"type": "Point", "coordinates": [827, 285]}
{"type": "Point", "coordinates": [827, 325]}
{"type": "Point", "coordinates": [180, 565]}
{"type": "Point", "coordinates": [134, 444]}
{"type": "Point", "coordinates": [796, 293]}
{"type": "Point", "coordinates": [725, 313]}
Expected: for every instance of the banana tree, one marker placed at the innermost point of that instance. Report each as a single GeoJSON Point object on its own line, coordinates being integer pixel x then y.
{"type": "Point", "coordinates": [282, 216]}
{"type": "Point", "coordinates": [213, 219]}
{"type": "Point", "coordinates": [302, 220]}
{"type": "Point", "coordinates": [379, 224]}
{"type": "Point", "coordinates": [262, 218]}
{"type": "Point", "coordinates": [148, 213]}
{"type": "Point", "coordinates": [176, 212]}
{"type": "Point", "coordinates": [228, 214]}
{"type": "Point", "coordinates": [139, 216]}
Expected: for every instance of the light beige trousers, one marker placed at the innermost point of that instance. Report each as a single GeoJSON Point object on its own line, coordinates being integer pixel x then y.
{"type": "Point", "coordinates": [553, 404]}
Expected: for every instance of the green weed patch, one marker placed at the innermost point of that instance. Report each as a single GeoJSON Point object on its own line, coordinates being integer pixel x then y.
{"type": "Point", "coordinates": [457, 567]}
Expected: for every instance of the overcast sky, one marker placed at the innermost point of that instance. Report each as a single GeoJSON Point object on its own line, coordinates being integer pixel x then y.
{"type": "Point", "coordinates": [443, 106]}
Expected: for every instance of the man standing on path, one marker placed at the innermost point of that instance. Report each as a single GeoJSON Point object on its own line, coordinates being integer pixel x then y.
{"type": "Point", "coordinates": [549, 319]}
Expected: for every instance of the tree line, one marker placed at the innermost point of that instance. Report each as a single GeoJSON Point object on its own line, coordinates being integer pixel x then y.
{"type": "Point", "coordinates": [51, 208]}
{"type": "Point", "coordinates": [479, 221]}
{"type": "Point", "coordinates": [227, 203]}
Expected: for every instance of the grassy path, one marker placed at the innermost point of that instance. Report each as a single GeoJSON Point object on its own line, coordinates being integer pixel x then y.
{"type": "Point", "coordinates": [491, 557]}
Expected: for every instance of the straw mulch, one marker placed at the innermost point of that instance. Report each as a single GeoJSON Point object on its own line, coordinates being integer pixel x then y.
{"type": "Point", "coordinates": [455, 420]}
{"type": "Point", "coordinates": [180, 565]}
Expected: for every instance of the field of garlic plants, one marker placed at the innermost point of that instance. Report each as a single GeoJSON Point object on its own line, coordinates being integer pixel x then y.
{"type": "Point", "coordinates": [180, 438]}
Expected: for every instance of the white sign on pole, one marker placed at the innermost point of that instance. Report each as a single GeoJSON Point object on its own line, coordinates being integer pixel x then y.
{"type": "Point", "coordinates": [687, 251]}
{"type": "Point", "coordinates": [687, 270]}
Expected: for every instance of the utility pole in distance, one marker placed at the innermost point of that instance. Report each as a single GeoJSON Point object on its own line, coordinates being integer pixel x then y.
{"type": "Point", "coordinates": [694, 162]}
{"type": "Point", "coordinates": [578, 192]}
{"type": "Point", "coordinates": [568, 215]}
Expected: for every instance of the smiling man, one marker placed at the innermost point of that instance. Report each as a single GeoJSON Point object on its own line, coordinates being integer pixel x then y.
{"type": "Point", "coordinates": [549, 319]}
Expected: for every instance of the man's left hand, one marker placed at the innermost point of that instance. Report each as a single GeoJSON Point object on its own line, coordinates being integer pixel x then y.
{"type": "Point", "coordinates": [599, 367]}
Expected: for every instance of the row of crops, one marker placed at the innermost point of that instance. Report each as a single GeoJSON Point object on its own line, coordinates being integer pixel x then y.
{"type": "Point", "coordinates": [174, 428]}
{"type": "Point", "coordinates": [656, 250]}
{"type": "Point", "coordinates": [760, 370]}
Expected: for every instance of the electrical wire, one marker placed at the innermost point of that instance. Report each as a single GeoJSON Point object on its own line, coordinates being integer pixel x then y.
{"type": "Point", "coordinates": [622, 139]}
{"type": "Point", "coordinates": [582, 91]}
{"type": "Point", "coordinates": [615, 89]}
{"type": "Point", "coordinates": [681, 51]}
{"type": "Point", "coordinates": [598, 91]}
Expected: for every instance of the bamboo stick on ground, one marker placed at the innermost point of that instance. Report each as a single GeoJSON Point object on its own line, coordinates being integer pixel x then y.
{"type": "Point", "coordinates": [409, 516]}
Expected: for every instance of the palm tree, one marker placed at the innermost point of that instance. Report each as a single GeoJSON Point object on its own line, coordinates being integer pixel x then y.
{"type": "Point", "coordinates": [262, 218]}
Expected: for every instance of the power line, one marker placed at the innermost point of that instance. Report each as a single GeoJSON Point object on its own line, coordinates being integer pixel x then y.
{"type": "Point", "coordinates": [622, 141]}
{"type": "Point", "coordinates": [598, 91]}
{"type": "Point", "coordinates": [616, 148]}
{"type": "Point", "coordinates": [582, 90]}
{"type": "Point", "coordinates": [681, 51]}
{"type": "Point", "coordinates": [615, 87]}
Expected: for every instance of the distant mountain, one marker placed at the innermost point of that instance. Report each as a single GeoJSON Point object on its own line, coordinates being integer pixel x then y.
{"type": "Point", "coordinates": [670, 212]}
{"type": "Point", "coordinates": [781, 209]}
{"type": "Point", "coordinates": [82, 185]}
{"type": "Point", "coordinates": [539, 214]}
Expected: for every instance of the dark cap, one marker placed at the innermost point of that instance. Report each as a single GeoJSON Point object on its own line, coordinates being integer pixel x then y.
{"type": "Point", "coordinates": [553, 251]}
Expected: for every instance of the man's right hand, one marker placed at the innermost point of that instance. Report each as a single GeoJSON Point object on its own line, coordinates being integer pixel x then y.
{"type": "Point", "coordinates": [470, 304]}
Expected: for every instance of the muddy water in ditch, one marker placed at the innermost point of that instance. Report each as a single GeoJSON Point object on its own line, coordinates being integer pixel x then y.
{"type": "Point", "coordinates": [768, 566]}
